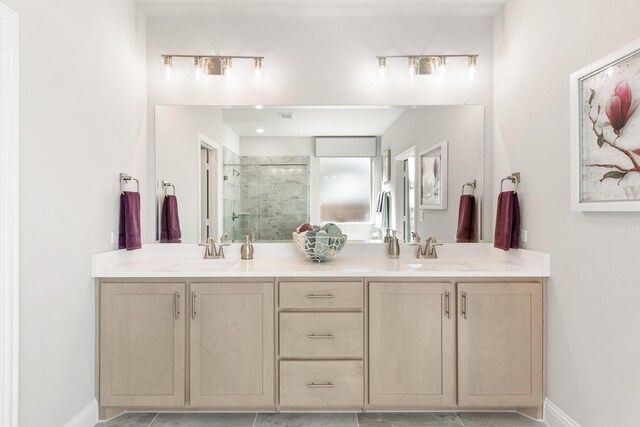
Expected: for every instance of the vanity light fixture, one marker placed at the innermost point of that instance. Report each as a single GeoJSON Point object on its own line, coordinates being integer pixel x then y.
{"type": "Point", "coordinates": [428, 64]}
{"type": "Point", "coordinates": [211, 65]}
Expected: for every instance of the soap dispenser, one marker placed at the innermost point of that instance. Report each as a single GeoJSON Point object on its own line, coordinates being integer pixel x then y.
{"type": "Point", "coordinates": [394, 246]}
{"type": "Point", "coordinates": [246, 251]}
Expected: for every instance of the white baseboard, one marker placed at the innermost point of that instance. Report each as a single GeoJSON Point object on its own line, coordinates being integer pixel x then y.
{"type": "Point", "coordinates": [555, 417]}
{"type": "Point", "coordinates": [87, 417]}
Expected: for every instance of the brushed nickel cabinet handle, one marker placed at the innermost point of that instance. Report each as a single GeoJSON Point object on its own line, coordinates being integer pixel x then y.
{"type": "Point", "coordinates": [193, 305]}
{"type": "Point", "coordinates": [325, 385]}
{"type": "Point", "coordinates": [321, 296]}
{"type": "Point", "coordinates": [321, 336]}
{"type": "Point", "coordinates": [176, 305]}
{"type": "Point", "coordinates": [464, 305]}
{"type": "Point", "coordinates": [447, 304]}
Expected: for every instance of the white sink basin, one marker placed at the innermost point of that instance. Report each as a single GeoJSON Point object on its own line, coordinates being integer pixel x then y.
{"type": "Point", "coordinates": [437, 265]}
{"type": "Point", "coordinates": [204, 265]}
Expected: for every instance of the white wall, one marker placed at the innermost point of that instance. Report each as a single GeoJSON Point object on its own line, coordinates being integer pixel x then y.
{"type": "Point", "coordinates": [178, 157]}
{"type": "Point", "coordinates": [593, 336]}
{"type": "Point", "coordinates": [463, 128]}
{"type": "Point", "coordinates": [82, 121]}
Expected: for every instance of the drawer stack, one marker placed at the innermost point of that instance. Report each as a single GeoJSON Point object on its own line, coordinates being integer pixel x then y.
{"type": "Point", "coordinates": [321, 344]}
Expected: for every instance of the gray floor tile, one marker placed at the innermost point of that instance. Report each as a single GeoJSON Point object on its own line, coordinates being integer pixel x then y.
{"type": "Point", "coordinates": [306, 420]}
{"type": "Point", "coordinates": [497, 419]}
{"type": "Point", "coordinates": [204, 419]}
{"type": "Point", "coordinates": [131, 419]}
{"type": "Point", "coordinates": [409, 419]}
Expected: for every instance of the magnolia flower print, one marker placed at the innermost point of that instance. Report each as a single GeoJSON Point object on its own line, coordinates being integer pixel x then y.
{"type": "Point", "coordinates": [619, 109]}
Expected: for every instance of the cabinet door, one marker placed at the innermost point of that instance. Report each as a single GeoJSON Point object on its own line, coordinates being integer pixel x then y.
{"type": "Point", "coordinates": [411, 344]}
{"type": "Point", "coordinates": [232, 345]}
{"type": "Point", "coordinates": [142, 344]}
{"type": "Point", "coordinates": [500, 344]}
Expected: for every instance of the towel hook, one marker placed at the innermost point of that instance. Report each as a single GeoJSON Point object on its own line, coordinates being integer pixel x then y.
{"type": "Point", "coordinates": [471, 184]}
{"type": "Point", "coordinates": [166, 185]}
{"type": "Point", "coordinates": [514, 179]}
{"type": "Point", "coordinates": [125, 178]}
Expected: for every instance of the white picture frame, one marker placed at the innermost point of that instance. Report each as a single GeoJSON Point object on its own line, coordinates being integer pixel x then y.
{"type": "Point", "coordinates": [592, 89]}
{"type": "Point", "coordinates": [433, 171]}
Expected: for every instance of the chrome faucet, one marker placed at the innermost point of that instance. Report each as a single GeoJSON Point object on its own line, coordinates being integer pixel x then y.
{"type": "Point", "coordinates": [212, 251]}
{"type": "Point", "coordinates": [429, 250]}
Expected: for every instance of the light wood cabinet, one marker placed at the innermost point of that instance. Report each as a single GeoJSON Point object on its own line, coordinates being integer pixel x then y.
{"type": "Point", "coordinates": [412, 345]}
{"type": "Point", "coordinates": [142, 344]}
{"type": "Point", "coordinates": [500, 347]}
{"type": "Point", "coordinates": [232, 345]}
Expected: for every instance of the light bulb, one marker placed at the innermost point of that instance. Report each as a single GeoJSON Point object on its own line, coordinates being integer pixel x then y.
{"type": "Point", "coordinates": [226, 67]}
{"type": "Point", "coordinates": [413, 64]}
{"type": "Point", "coordinates": [258, 107]}
{"type": "Point", "coordinates": [257, 64]}
{"type": "Point", "coordinates": [472, 62]}
{"type": "Point", "coordinates": [198, 68]}
{"type": "Point", "coordinates": [168, 67]}
{"type": "Point", "coordinates": [442, 65]}
{"type": "Point", "coordinates": [382, 66]}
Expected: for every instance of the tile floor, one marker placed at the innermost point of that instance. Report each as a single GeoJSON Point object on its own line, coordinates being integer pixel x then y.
{"type": "Point", "coordinates": [388, 419]}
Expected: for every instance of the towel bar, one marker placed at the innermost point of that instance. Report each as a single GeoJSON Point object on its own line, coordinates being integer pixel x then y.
{"type": "Point", "coordinates": [471, 184]}
{"type": "Point", "coordinates": [514, 179]}
{"type": "Point", "coordinates": [166, 185]}
{"type": "Point", "coordinates": [124, 179]}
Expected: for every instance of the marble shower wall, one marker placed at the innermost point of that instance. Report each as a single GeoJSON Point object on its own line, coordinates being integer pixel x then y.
{"type": "Point", "coordinates": [265, 196]}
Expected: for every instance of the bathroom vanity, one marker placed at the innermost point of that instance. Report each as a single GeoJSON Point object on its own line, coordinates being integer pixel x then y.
{"type": "Point", "coordinates": [359, 333]}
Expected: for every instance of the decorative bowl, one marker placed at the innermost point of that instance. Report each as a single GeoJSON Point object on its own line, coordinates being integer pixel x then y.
{"type": "Point", "coordinates": [318, 248]}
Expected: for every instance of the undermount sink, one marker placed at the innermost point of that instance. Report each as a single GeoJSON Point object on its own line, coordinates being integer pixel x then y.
{"type": "Point", "coordinates": [437, 264]}
{"type": "Point", "coordinates": [204, 264]}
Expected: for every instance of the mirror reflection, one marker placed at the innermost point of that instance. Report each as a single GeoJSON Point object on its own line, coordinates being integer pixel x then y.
{"type": "Point", "coordinates": [264, 172]}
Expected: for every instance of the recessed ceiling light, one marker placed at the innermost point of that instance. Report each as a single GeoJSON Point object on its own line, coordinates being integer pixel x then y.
{"type": "Point", "coordinates": [259, 130]}
{"type": "Point", "coordinates": [259, 107]}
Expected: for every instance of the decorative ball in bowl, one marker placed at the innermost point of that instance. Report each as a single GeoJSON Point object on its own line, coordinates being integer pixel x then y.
{"type": "Point", "coordinates": [319, 244]}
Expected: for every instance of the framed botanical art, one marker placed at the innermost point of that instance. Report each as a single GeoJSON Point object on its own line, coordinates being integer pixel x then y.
{"type": "Point", "coordinates": [433, 176]}
{"type": "Point", "coordinates": [605, 133]}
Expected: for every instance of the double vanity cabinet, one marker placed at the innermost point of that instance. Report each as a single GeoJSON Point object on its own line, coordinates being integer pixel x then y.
{"type": "Point", "coordinates": [319, 344]}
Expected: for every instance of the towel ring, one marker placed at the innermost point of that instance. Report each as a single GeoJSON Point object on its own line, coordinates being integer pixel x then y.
{"type": "Point", "coordinates": [471, 184]}
{"type": "Point", "coordinates": [511, 178]}
{"type": "Point", "coordinates": [124, 179]}
{"type": "Point", "coordinates": [166, 185]}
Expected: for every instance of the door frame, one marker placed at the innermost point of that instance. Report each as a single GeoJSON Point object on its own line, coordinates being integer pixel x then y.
{"type": "Point", "coordinates": [9, 217]}
{"type": "Point", "coordinates": [207, 142]}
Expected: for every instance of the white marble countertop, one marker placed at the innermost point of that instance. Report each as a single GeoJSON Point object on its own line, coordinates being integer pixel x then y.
{"type": "Point", "coordinates": [355, 260]}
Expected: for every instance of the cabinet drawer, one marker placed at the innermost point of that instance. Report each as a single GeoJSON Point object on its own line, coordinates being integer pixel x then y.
{"type": "Point", "coordinates": [321, 335]}
{"type": "Point", "coordinates": [321, 295]}
{"type": "Point", "coordinates": [321, 383]}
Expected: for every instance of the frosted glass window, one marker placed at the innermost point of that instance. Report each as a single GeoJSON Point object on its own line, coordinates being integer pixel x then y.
{"type": "Point", "coordinates": [344, 189]}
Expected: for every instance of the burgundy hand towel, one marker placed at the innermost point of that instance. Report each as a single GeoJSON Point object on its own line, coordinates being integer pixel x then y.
{"type": "Point", "coordinates": [170, 221]}
{"type": "Point", "coordinates": [507, 233]}
{"type": "Point", "coordinates": [466, 219]}
{"type": "Point", "coordinates": [515, 230]}
{"type": "Point", "coordinates": [129, 233]}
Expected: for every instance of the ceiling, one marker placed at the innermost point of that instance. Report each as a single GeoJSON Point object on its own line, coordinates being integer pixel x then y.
{"type": "Point", "coordinates": [311, 121]}
{"type": "Point", "coordinates": [319, 8]}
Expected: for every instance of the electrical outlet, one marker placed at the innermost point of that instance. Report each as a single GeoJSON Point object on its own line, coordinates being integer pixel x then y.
{"type": "Point", "coordinates": [113, 237]}
{"type": "Point", "coordinates": [523, 236]}
{"type": "Point", "coordinates": [421, 215]}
